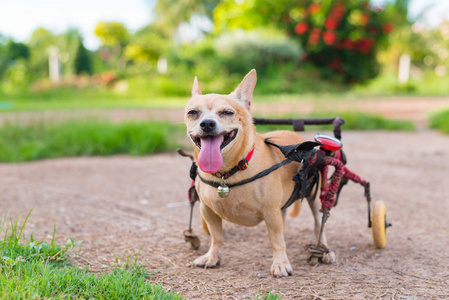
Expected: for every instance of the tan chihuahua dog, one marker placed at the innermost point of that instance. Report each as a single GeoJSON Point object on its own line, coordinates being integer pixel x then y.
{"type": "Point", "coordinates": [222, 131]}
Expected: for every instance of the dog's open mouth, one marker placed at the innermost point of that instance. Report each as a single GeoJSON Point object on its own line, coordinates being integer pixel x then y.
{"type": "Point", "coordinates": [227, 138]}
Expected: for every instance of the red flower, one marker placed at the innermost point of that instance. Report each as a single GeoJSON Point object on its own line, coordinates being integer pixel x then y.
{"type": "Point", "coordinates": [335, 64]}
{"type": "Point", "coordinates": [314, 8]}
{"type": "Point", "coordinates": [329, 37]}
{"type": "Point", "coordinates": [314, 36]}
{"type": "Point", "coordinates": [348, 44]}
{"type": "Point", "coordinates": [301, 28]}
{"type": "Point", "coordinates": [338, 11]}
{"type": "Point", "coordinates": [388, 27]}
{"type": "Point", "coordinates": [365, 45]}
{"type": "Point", "coordinates": [330, 24]}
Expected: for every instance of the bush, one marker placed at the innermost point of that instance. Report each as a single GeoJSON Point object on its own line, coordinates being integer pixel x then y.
{"type": "Point", "coordinates": [340, 37]}
{"type": "Point", "coordinates": [241, 51]}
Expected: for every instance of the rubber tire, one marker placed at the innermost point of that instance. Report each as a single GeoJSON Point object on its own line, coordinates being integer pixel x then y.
{"type": "Point", "coordinates": [378, 224]}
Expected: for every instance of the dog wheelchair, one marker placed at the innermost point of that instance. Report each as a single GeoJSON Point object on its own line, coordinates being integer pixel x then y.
{"type": "Point", "coordinates": [313, 172]}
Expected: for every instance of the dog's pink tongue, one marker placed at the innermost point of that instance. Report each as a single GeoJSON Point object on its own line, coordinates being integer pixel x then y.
{"type": "Point", "coordinates": [210, 160]}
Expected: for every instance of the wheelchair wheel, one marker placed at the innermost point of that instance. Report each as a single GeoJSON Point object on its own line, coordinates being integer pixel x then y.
{"type": "Point", "coordinates": [379, 224]}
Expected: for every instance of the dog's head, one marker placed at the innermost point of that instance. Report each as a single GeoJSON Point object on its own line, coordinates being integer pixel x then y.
{"type": "Point", "coordinates": [221, 126]}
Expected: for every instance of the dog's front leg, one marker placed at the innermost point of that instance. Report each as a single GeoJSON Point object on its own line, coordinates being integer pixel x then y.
{"type": "Point", "coordinates": [214, 224]}
{"type": "Point", "coordinates": [275, 225]}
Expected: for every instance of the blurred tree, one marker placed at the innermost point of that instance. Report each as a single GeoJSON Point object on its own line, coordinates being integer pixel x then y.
{"type": "Point", "coordinates": [112, 33]}
{"type": "Point", "coordinates": [16, 50]}
{"type": "Point", "coordinates": [82, 61]}
{"type": "Point", "coordinates": [68, 43]}
{"type": "Point", "coordinates": [231, 14]}
{"type": "Point", "coordinates": [146, 47]}
{"type": "Point", "coordinates": [409, 37]}
{"type": "Point", "coordinates": [14, 69]}
{"type": "Point", "coordinates": [341, 37]}
{"type": "Point", "coordinates": [12, 53]}
{"type": "Point", "coordinates": [171, 13]}
{"type": "Point", "coordinates": [3, 60]}
{"type": "Point", "coordinates": [114, 37]}
{"type": "Point", "coordinates": [40, 41]}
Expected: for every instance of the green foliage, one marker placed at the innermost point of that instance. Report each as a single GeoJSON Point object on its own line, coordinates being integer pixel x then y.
{"type": "Point", "coordinates": [241, 51]}
{"type": "Point", "coordinates": [430, 50]}
{"type": "Point", "coordinates": [353, 121]}
{"type": "Point", "coordinates": [14, 65]}
{"type": "Point", "coordinates": [289, 79]}
{"type": "Point", "coordinates": [429, 84]}
{"type": "Point", "coordinates": [16, 51]}
{"type": "Point", "coordinates": [146, 47]}
{"type": "Point", "coordinates": [112, 33]}
{"type": "Point", "coordinates": [39, 270]}
{"type": "Point", "coordinates": [171, 13]}
{"type": "Point", "coordinates": [248, 15]}
{"type": "Point", "coordinates": [16, 76]}
{"type": "Point", "coordinates": [40, 41]}
{"type": "Point", "coordinates": [85, 138]}
{"type": "Point", "coordinates": [340, 37]}
{"type": "Point", "coordinates": [364, 121]}
{"type": "Point", "coordinates": [83, 63]}
{"type": "Point", "coordinates": [440, 121]}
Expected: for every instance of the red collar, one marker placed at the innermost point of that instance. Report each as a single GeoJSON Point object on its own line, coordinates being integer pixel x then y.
{"type": "Point", "coordinates": [242, 165]}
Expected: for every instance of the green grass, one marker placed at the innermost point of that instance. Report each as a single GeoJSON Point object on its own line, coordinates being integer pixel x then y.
{"type": "Point", "coordinates": [86, 138]}
{"type": "Point", "coordinates": [440, 121]}
{"type": "Point", "coordinates": [65, 99]}
{"type": "Point", "coordinates": [353, 121]}
{"type": "Point", "coordinates": [387, 85]}
{"type": "Point", "coordinates": [83, 100]}
{"type": "Point", "coordinates": [267, 296]}
{"type": "Point", "coordinates": [40, 270]}
{"type": "Point", "coordinates": [41, 140]}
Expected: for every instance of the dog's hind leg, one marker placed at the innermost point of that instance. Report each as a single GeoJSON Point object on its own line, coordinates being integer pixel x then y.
{"type": "Point", "coordinates": [328, 258]}
{"type": "Point", "coordinates": [295, 209]}
{"type": "Point", "coordinates": [215, 226]}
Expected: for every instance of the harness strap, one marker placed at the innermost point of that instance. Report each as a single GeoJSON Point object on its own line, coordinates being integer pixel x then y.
{"type": "Point", "coordinates": [242, 165]}
{"type": "Point", "coordinates": [248, 180]}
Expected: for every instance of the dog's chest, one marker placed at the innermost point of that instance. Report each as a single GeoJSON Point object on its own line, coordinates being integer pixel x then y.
{"type": "Point", "coordinates": [236, 208]}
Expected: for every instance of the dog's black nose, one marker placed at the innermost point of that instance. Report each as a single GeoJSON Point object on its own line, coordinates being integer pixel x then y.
{"type": "Point", "coordinates": [208, 125]}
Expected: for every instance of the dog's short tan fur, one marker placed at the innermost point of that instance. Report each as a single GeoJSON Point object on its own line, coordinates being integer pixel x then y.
{"type": "Point", "coordinates": [260, 200]}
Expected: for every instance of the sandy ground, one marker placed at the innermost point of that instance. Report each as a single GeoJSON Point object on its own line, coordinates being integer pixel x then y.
{"type": "Point", "coordinates": [118, 205]}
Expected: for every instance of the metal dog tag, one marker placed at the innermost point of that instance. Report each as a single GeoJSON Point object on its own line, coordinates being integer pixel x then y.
{"type": "Point", "coordinates": [223, 190]}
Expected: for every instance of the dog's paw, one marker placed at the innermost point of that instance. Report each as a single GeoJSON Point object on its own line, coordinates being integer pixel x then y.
{"type": "Point", "coordinates": [281, 269]}
{"type": "Point", "coordinates": [206, 261]}
{"type": "Point", "coordinates": [329, 258]}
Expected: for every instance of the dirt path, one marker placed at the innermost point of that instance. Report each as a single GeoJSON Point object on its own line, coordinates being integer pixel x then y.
{"type": "Point", "coordinates": [118, 204]}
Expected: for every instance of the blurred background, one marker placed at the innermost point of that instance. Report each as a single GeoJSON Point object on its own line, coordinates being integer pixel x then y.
{"type": "Point", "coordinates": [351, 56]}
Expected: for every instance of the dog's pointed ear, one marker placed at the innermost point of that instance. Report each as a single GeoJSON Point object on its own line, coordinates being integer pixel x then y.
{"type": "Point", "coordinates": [195, 88]}
{"type": "Point", "coordinates": [244, 92]}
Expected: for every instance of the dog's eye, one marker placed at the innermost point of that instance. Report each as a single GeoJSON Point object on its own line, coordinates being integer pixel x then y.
{"type": "Point", "coordinates": [193, 113]}
{"type": "Point", "coordinates": [227, 113]}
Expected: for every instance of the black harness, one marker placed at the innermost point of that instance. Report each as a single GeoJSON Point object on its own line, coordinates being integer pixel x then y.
{"type": "Point", "coordinates": [305, 179]}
